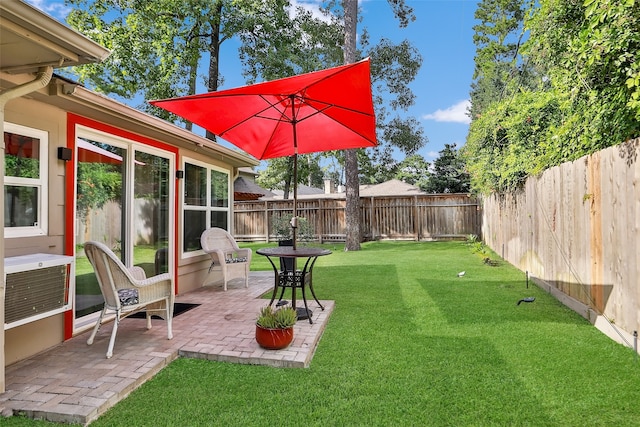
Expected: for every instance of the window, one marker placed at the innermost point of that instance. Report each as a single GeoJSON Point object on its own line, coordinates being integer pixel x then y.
{"type": "Point", "coordinates": [206, 202]}
{"type": "Point", "coordinates": [124, 199]}
{"type": "Point", "coordinates": [25, 182]}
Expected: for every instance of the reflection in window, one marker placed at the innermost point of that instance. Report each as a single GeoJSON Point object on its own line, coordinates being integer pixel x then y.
{"type": "Point", "coordinates": [25, 181]}
{"type": "Point", "coordinates": [21, 206]}
{"type": "Point", "coordinates": [195, 223]}
{"type": "Point", "coordinates": [203, 184]}
{"type": "Point", "coordinates": [100, 212]}
{"type": "Point", "coordinates": [219, 189]}
{"type": "Point", "coordinates": [195, 185]}
{"type": "Point", "coordinates": [219, 219]}
{"type": "Point", "coordinates": [22, 156]}
{"type": "Point", "coordinates": [151, 213]}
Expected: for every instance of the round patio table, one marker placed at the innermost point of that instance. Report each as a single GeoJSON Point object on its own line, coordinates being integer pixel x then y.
{"type": "Point", "coordinates": [285, 278]}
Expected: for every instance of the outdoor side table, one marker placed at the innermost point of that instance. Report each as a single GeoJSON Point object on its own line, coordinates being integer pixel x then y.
{"type": "Point", "coordinates": [295, 278]}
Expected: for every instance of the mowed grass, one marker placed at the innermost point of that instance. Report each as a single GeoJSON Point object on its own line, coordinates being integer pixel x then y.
{"type": "Point", "coordinates": [412, 344]}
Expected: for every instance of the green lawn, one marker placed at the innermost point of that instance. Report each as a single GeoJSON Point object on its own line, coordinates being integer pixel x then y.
{"type": "Point", "coordinates": [412, 344]}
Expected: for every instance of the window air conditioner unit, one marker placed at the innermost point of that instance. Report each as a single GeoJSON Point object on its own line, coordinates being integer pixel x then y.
{"type": "Point", "coordinates": [37, 286]}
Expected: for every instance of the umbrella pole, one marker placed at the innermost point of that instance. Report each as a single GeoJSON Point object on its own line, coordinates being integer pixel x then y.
{"type": "Point", "coordinates": [294, 223]}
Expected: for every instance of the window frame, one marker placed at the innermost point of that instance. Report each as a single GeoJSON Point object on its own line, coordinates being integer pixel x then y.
{"type": "Point", "coordinates": [208, 208]}
{"type": "Point", "coordinates": [41, 183]}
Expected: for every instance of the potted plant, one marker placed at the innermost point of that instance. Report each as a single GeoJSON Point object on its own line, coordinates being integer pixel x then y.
{"type": "Point", "coordinates": [274, 327]}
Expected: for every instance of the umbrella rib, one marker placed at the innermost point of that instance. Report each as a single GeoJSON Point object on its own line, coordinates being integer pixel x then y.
{"type": "Point", "coordinates": [268, 107]}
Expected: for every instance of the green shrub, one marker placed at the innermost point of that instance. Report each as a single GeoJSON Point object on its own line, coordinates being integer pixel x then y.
{"type": "Point", "coordinates": [280, 318]}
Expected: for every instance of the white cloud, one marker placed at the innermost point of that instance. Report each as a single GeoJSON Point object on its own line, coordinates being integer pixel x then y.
{"type": "Point", "coordinates": [312, 6]}
{"type": "Point", "coordinates": [457, 113]}
{"type": "Point", "coordinates": [55, 8]}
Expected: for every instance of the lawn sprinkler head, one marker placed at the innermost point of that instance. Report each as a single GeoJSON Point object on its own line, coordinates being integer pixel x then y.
{"type": "Point", "coordinates": [527, 299]}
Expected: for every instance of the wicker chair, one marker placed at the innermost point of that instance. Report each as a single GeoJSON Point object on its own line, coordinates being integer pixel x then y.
{"type": "Point", "coordinates": [227, 259]}
{"type": "Point", "coordinates": [127, 291]}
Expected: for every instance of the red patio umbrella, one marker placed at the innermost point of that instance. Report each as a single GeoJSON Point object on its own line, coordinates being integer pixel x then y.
{"type": "Point", "coordinates": [324, 110]}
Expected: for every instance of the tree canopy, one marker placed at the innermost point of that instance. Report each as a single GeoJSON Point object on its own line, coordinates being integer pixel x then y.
{"type": "Point", "coordinates": [581, 93]}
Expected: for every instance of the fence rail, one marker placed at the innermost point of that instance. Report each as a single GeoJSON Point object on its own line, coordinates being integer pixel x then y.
{"type": "Point", "coordinates": [416, 217]}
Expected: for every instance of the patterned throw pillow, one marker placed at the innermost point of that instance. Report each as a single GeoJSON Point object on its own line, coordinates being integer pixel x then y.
{"type": "Point", "coordinates": [128, 296]}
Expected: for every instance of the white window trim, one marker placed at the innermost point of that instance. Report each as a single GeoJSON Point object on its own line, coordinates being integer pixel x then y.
{"type": "Point", "coordinates": [41, 183]}
{"type": "Point", "coordinates": [208, 209]}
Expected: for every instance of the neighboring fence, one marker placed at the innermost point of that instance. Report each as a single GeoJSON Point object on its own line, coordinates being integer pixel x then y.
{"type": "Point", "coordinates": [577, 228]}
{"type": "Point", "coordinates": [416, 217]}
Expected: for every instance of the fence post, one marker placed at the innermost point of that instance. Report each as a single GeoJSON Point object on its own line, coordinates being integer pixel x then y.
{"type": "Point", "coordinates": [416, 219]}
{"type": "Point", "coordinates": [266, 220]}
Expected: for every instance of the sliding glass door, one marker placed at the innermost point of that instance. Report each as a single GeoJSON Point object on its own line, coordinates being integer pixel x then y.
{"type": "Point", "coordinates": [123, 199]}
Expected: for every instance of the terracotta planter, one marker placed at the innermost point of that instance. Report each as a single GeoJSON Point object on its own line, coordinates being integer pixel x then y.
{"type": "Point", "coordinates": [274, 339]}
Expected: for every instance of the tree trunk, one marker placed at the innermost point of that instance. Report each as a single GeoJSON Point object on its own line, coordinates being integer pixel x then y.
{"type": "Point", "coordinates": [214, 55]}
{"type": "Point", "coordinates": [288, 179]}
{"type": "Point", "coordinates": [193, 76]}
{"type": "Point", "coordinates": [352, 181]}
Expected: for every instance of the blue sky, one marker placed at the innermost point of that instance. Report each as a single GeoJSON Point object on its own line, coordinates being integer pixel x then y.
{"type": "Point", "coordinates": [443, 34]}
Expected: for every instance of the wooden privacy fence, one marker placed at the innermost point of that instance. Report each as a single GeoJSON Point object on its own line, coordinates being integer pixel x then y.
{"type": "Point", "coordinates": [415, 217]}
{"type": "Point", "coordinates": [576, 228]}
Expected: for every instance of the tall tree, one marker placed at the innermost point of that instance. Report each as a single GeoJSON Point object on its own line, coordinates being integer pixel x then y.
{"type": "Point", "coordinates": [449, 173]}
{"type": "Point", "coordinates": [278, 175]}
{"type": "Point", "coordinates": [584, 96]}
{"type": "Point", "coordinates": [311, 44]}
{"type": "Point", "coordinates": [352, 211]}
{"type": "Point", "coordinates": [414, 170]}
{"type": "Point", "coordinates": [393, 67]}
{"type": "Point", "coordinates": [498, 65]}
{"type": "Point", "coordinates": [158, 46]}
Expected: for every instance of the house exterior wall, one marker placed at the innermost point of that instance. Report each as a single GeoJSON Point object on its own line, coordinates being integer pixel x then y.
{"type": "Point", "coordinates": [32, 338]}
{"type": "Point", "coordinates": [48, 112]}
{"type": "Point", "coordinates": [52, 120]}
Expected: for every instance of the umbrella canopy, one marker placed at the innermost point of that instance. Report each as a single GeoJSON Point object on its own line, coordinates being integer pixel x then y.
{"type": "Point", "coordinates": [324, 110]}
{"type": "Point", "coordinates": [330, 109]}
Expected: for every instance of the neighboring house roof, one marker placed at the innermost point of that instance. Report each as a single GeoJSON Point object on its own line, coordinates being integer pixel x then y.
{"type": "Point", "coordinates": [245, 189]}
{"type": "Point", "coordinates": [303, 190]}
{"type": "Point", "coordinates": [393, 187]}
{"type": "Point", "coordinates": [246, 171]}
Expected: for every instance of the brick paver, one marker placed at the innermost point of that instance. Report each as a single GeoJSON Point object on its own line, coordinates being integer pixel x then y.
{"type": "Point", "coordinates": [75, 383]}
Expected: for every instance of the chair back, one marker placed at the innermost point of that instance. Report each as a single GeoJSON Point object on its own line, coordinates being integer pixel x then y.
{"type": "Point", "coordinates": [109, 271]}
{"type": "Point", "coordinates": [286, 264]}
{"type": "Point", "coordinates": [218, 238]}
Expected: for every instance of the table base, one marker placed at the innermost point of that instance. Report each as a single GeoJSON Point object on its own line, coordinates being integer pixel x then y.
{"type": "Point", "coordinates": [303, 313]}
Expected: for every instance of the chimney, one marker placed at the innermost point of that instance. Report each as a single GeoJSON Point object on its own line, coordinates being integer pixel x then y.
{"type": "Point", "coordinates": [328, 186]}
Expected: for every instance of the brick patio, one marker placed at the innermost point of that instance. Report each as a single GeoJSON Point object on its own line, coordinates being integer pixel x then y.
{"type": "Point", "coordinates": [75, 383]}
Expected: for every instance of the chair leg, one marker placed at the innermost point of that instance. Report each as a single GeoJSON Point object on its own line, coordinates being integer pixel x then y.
{"type": "Point", "coordinates": [148, 320]}
{"type": "Point", "coordinates": [112, 340]}
{"type": "Point", "coordinates": [246, 276]}
{"type": "Point", "coordinates": [97, 327]}
{"type": "Point", "coordinates": [169, 319]}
